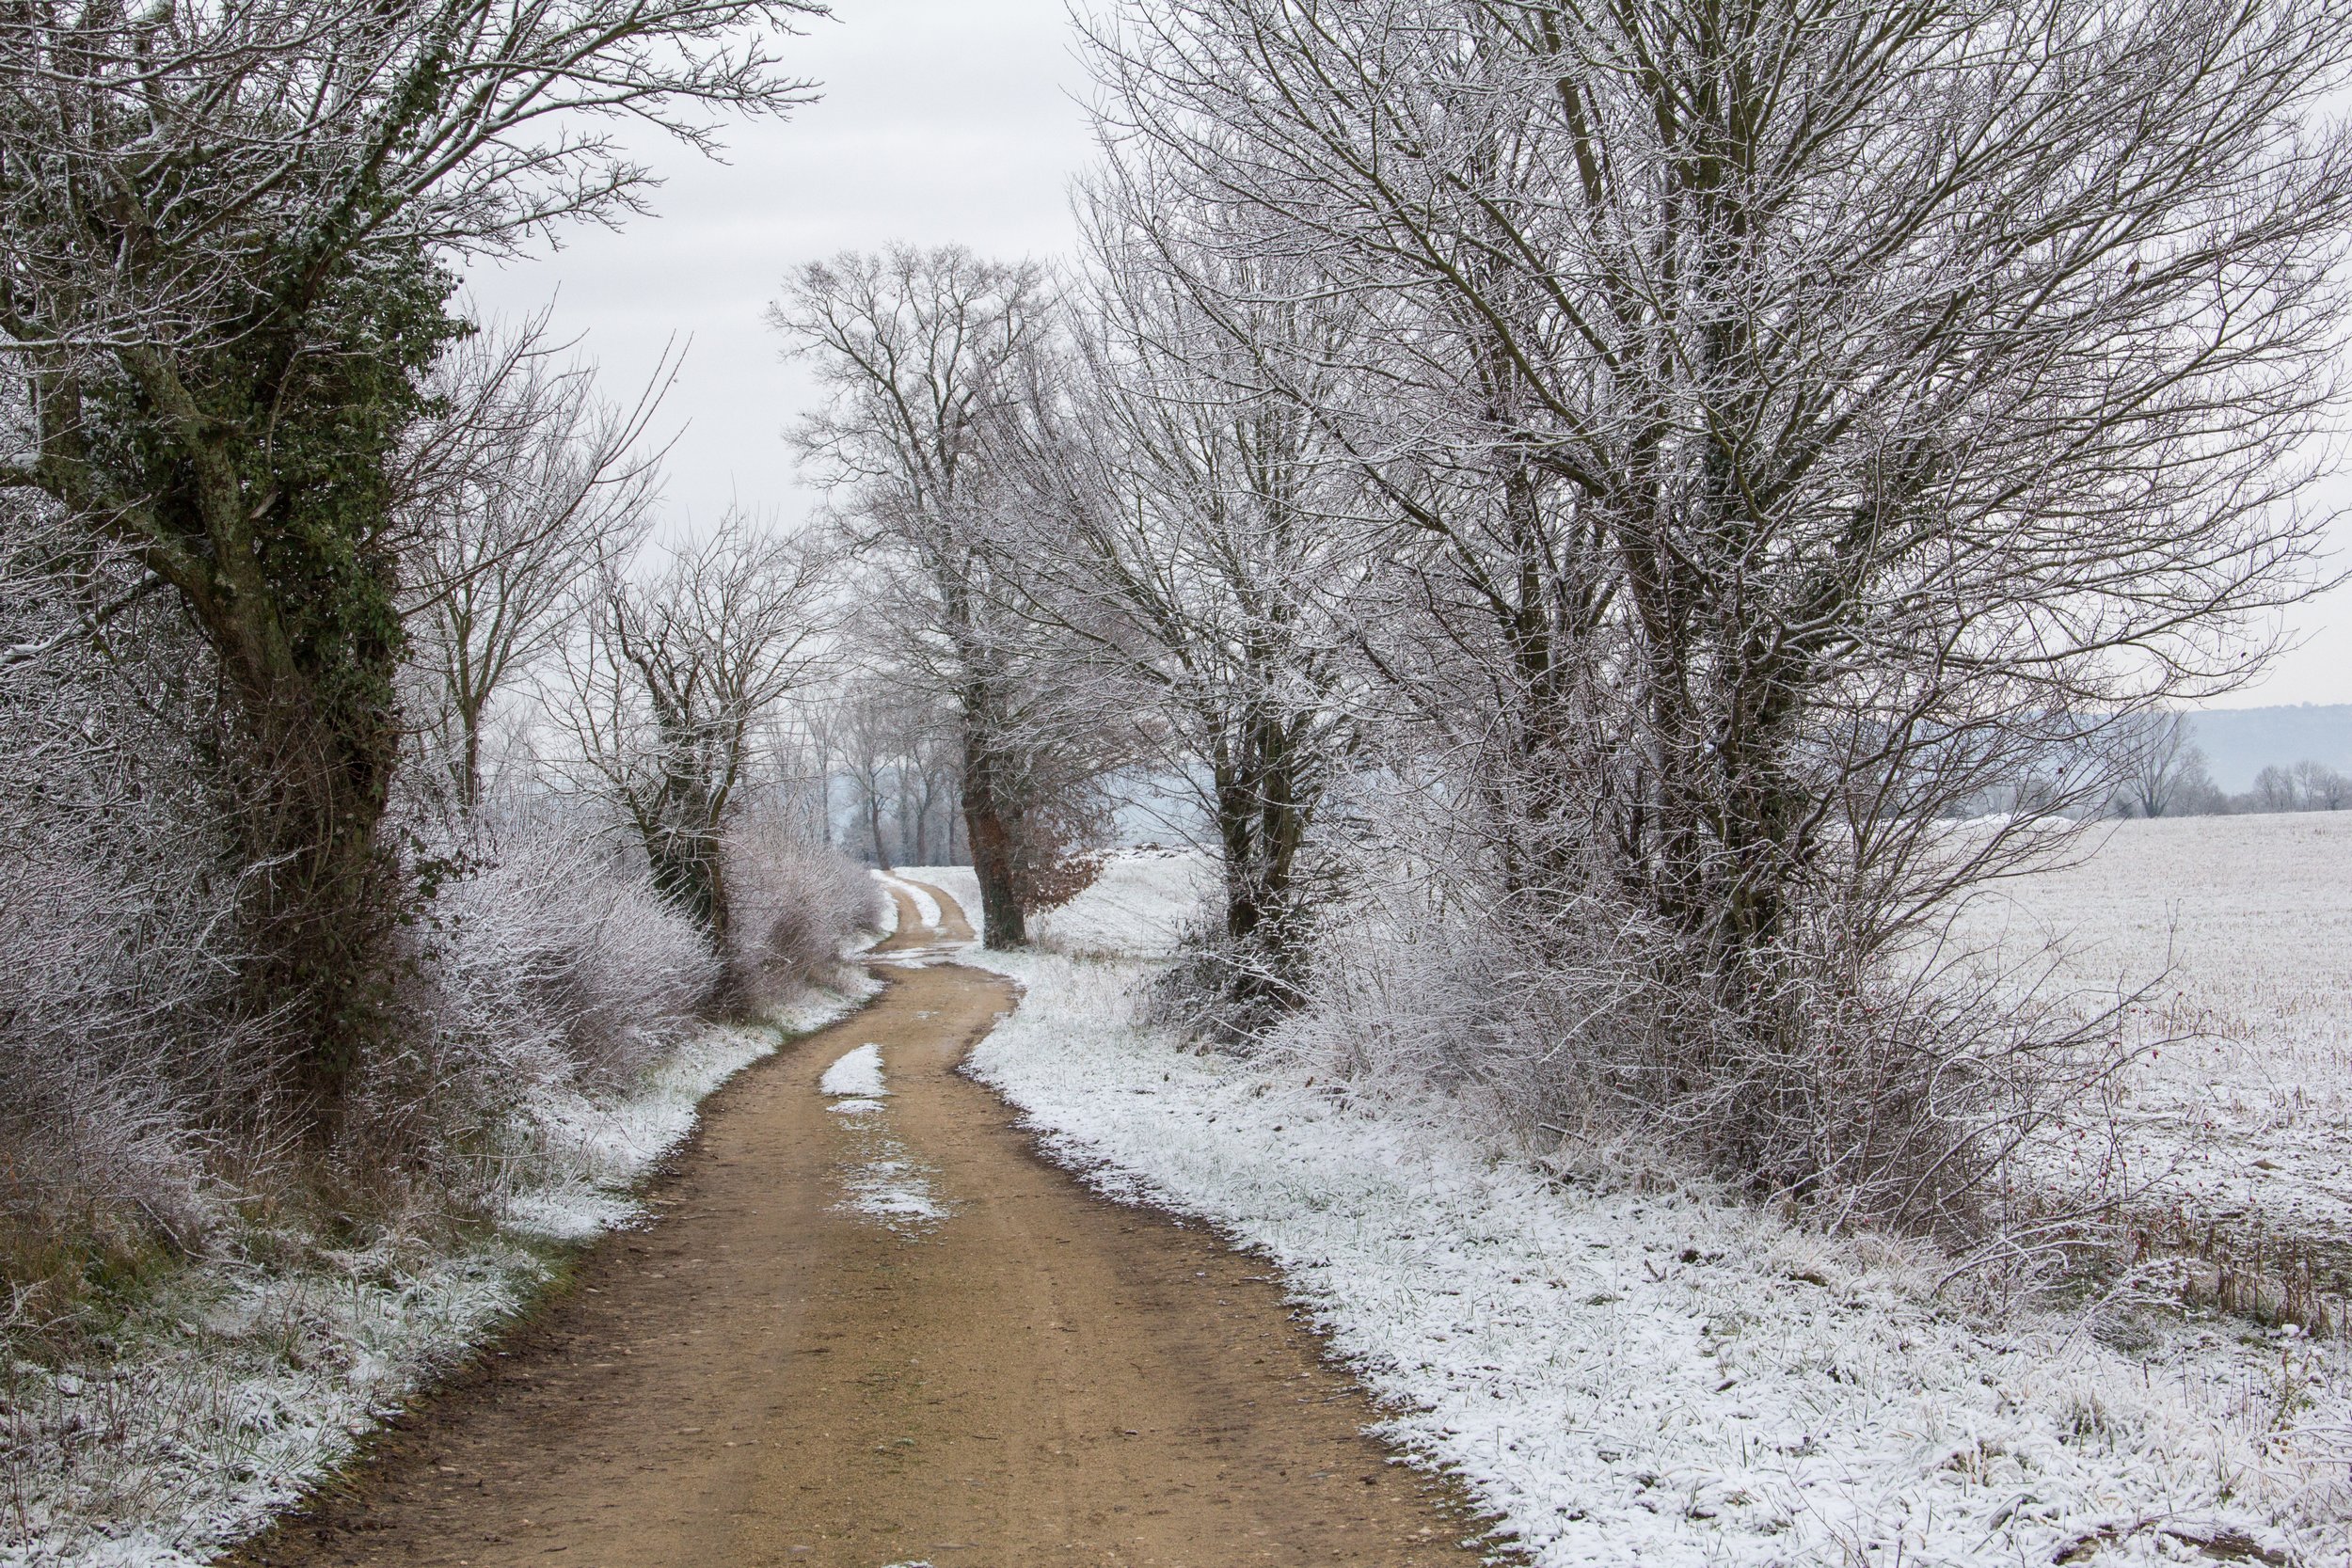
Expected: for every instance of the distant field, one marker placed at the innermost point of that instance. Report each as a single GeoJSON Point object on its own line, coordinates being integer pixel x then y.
{"type": "Point", "coordinates": [2247, 923]}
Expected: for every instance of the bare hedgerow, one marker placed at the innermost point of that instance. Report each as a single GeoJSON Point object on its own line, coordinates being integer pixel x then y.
{"type": "Point", "coordinates": [124, 1065]}
{"type": "Point", "coordinates": [1897, 1096]}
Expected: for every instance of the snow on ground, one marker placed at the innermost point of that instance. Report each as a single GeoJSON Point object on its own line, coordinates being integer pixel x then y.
{"type": "Point", "coordinates": [958, 882]}
{"type": "Point", "coordinates": [1650, 1372]}
{"type": "Point", "coordinates": [1139, 906]}
{"type": "Point", "coordinates": [887, 1186]}
{"type": "Point", "coordinates": [2243, 926]}
{"type": "Point", "coordinates": [226, 1392]}
{"type": "Point", "coordinates": [884, 1181]}
{"type": "Point", "coordinates": [926, 907]}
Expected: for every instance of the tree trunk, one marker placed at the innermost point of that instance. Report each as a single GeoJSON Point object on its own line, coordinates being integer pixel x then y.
{"type": "Point", "coordinates": [309, 797]}
{"type": "Point", "coordinates": [874, 822]}
{"type": "Point", "coordinates": [991, 829]}
{"type": "Point", "coordinates": [1261, 825]}
{"type": "Point", "coordinates": [251, 475]}
{"type": "Point", "coordinates": [689, 866]}
{"type": "Point", "coordinates": [304, 622]}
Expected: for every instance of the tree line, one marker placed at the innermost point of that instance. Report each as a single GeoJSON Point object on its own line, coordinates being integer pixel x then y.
{"type": "Point", "coordinates": [2166, 774]}
{"type": "Point", "coordinates": [1585, 500]}
{"type": "Point", "coordinates": [1575, 501]}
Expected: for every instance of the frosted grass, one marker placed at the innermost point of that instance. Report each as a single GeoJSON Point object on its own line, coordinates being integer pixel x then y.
{"type": "Point", "coordinates": [1642, 1370]}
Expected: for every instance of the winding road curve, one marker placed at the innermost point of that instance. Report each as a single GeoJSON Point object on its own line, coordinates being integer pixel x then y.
{"type": "Point", "coordinates": [889, 1335]}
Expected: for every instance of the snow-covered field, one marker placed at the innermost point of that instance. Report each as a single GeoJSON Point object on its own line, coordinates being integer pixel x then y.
{"type": "Point", "coordinates": [1643, 1371]}
{"type": "Point", "coordinates": [2242, 1115]}
{"type": "Point", "coordinates": [1138, 908]}
{"type": "Point", "coordinates": [224, 1393]}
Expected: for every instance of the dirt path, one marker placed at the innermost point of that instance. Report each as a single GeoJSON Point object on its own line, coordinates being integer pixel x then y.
{"type": "Point", "coordinates": [1023, 1376]}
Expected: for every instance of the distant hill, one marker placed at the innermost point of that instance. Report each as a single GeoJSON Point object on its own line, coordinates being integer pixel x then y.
{"type": "Point", "coordinates": [2241, 742]}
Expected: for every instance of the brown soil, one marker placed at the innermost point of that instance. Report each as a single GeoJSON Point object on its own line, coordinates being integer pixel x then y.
{"type": "Point", "coordinates": [763, 1377]}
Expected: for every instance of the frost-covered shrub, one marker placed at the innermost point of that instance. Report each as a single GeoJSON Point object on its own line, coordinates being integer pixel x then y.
{"type": "Point", "coordinates": [123, 1066]}
{"type": "Point", "coordinates": [563, 939]}
{"type": "Point", "coordinates": [101, 1141]}
{"type": "Point", "coordinates": [1887, 1092]}
{"type": "Point", "coordinates": [545, 960]}
{"type": "Point", "coordinates": [792, 905]}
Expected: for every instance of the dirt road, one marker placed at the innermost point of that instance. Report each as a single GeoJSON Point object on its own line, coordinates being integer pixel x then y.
{"type": "Point", "coordinates": [891, 1336]}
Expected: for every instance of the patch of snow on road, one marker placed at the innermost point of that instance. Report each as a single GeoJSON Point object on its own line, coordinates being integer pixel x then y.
{"type": "Point", "coordinates": [884, 1184]}
{"type": "Point", "coordinates": [590, 1152]}
{"type": "Point", "coordinates": [896, 1190]}
{"type": "Point", "coordinates": [857, 1073]}
{"type": "Point", "coordinates": [1649, 1372]}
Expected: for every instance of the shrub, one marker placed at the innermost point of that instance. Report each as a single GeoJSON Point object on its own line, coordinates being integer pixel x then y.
{"type": "Point", "coordinates": [122, 1062]}
{"type": "Point", "coordinates": [544, 959]}
{"type": "Point", "coordinates": [1888, 1092]}
{"type": "Point", "coordinates": [794, 904]}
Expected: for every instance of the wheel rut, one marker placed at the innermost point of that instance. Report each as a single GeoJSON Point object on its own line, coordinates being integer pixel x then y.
{"type": "Point", "coordinates": [888, 1336]}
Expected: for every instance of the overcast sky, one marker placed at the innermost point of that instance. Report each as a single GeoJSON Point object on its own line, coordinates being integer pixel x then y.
{"type": "Point", "coordinates": [940, 120]}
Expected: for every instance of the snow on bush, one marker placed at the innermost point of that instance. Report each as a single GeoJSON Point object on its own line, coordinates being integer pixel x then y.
{"type": "Point", "coordinates": [226, 1391]}
{"type": "Point", "coordinates": [121, 1059]}
{"type": "Point", "coordinates": [1626, 1365]}
{"type": "Point", "coordinates": [561, 945]}
{"type": "Point", "coordinates": [107, 1073]}
{"type": "Point", "coordinates": [566, 940]}
{"type": "Point", "coordinates": [794, 906]}
{"type": "Point", "coordinates": [548, 970]}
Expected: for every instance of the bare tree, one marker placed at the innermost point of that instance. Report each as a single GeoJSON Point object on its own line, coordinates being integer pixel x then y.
{"type": "Point", "coordinates": [2163, 768]}
{"type": "Point", "coordinates": [527, 482]}
{"type": "Point", "coordinates": [867, 731]}
{"type": "Point", "coordinates": [674, 683]}
{"type": "Point", "coordinates": [1193, 543]}
{"type": "Point", "coordinates": [1853, 409]}
{"type": "Point", "coordinates": [2276, 788]}
{"type": "Point", "coordinates": [2322, 787]}
{"type": "Point", "coordinates": [934, 781]}
{"type": "Point", "coordinates": [926, 355]}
